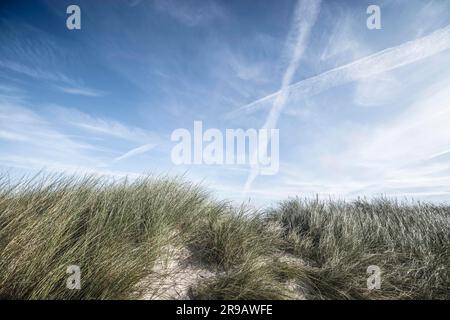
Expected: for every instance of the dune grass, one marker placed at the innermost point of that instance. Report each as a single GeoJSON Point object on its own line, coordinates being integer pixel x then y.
{"type": "Point", "coordinates": [117, 231]}
{"type": "Point", "coordinates": [410, 243]}
{"type": "Point", "coordinates": [113, 231]}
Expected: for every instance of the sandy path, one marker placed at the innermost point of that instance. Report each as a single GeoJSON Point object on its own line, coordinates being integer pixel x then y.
{"type": "Point", "coordinates": [174, 276]}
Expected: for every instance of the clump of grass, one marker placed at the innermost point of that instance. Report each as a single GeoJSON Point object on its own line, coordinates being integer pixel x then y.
{"type": "Point", "coordinates": [252, 280]}
{"type": "Point", "coordinates": [229, 237]}
{"type": "Point", "coordinates": [410, 243]}
{"type": "Point", "coordinates": [113, 231]}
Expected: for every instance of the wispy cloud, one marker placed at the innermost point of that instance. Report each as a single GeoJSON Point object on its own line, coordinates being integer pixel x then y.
{"type": "Point", "coordinates": [32, 140]}
{"type": "Point", "coordinates": [344, 43]}
{"type": "Point", "coordinates": [27, 134]}
{"type": "Point", "coordinates": [12, 136]}
{"type": "Point", "coordinates": [42, 164]}
{"type": "Point", "coordinates": [105, 126]}
{"type": "Point", "coordinates": [33, 72]}
{"type": "Point", "coordinates": [305, 17]}
{"type": "Point", "coordinates": [135, 152]}
{"type": "Point", "coordinates": [404, 155]}
{"type": "Point", "coordinates": [380, 62]}
{"type": "Point", "coordinates": [82, 91]}
{"type": "Point", "coordinates": [32, 52]}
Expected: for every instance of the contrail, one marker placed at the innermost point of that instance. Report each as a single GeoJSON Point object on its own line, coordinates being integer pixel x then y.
{"type": "Point", "coordinates": [380, 62]}
{"type": "Point", "coordinates": [135, 152]}
{"type": "Point", "coordinates": [305, 17]}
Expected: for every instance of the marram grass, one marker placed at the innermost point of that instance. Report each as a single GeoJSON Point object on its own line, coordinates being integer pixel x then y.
{"type": "Point", "coordinates": [117, 231]}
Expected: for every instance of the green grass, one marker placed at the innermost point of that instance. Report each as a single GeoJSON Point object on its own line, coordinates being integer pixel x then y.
{"type": "Point", "coordinates": [410, 243]}
{"type": "Point", "coordinates": [117, 231]}
{"type": "Point", "coordinates": [114, 232]}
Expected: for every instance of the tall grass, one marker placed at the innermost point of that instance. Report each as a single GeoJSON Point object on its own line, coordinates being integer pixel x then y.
{"type": "Point", "coordinates": [116, 232]}
{"type": "Point", "coordinates": [113, 231]}
{"type": "Point", "coordinates": [410, 243]}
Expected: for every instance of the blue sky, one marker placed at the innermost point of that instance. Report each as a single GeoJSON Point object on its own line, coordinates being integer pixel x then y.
{"type": "Point", "coordinates": [367, 112]}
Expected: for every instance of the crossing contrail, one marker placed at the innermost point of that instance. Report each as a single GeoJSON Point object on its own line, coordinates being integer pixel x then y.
{"type": "Point", "coordinates": [305, 17]}
{"type": "Point", "coordinates": [377, 63]}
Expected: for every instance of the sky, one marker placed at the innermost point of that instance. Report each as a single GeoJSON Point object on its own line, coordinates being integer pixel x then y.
{"type": "Point", "coordinates": [360, 112]}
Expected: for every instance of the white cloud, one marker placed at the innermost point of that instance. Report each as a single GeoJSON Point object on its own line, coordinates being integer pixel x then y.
{"type": "Point", "coordinates": [418, 133]}
{"type": "Point", "coordinates": [37, 141]}
{"type": "Point", "coordinates": [33, 72]}
{"type": "Point", "coordinates": [43, 165]}
{"type": "Point", "coordinates": [343, 43]}
{"type": "Point", "coordinates": [378, 90]}
{"type": "Point", "coordinates": [246, 70]}
{"type": "Point", "coordinates": [29, 135]}
{"type": "Point", "coordinates": [105, 126]}
{"type": "Point", "coordinates": [82, 91]}
{"type": "Point", "coordinates": [135, 152]}
{"type": "Point", "coordinates": [405, 155]}
{"type": "Point", "coordinates": [12, 136]}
